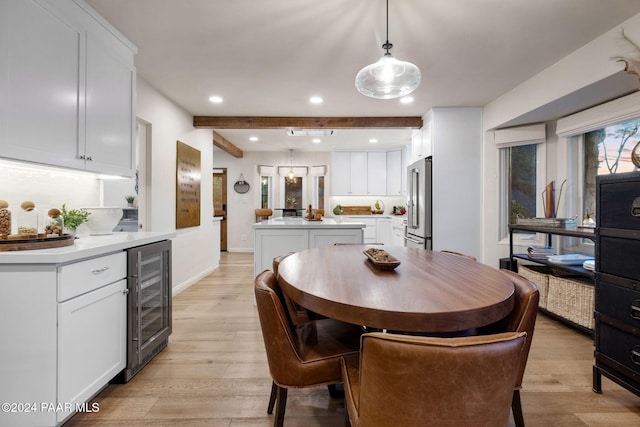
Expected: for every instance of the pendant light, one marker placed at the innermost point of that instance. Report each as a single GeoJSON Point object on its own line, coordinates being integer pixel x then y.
{"type": "Point", "coordinates": [291, 178]}
{"type": "Point", "coordinates": [389, 77]}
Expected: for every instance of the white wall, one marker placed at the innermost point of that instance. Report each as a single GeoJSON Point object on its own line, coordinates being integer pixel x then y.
{"type": "Point", "coordinates": [240, 207]}
{"type": "Point", "coordinates": [587, 65]}
{"type": "Point", "coordinates": [193, 248]}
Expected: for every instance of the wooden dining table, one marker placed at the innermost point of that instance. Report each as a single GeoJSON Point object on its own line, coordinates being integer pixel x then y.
{"type": "Point", "coordinates": [429, 292]}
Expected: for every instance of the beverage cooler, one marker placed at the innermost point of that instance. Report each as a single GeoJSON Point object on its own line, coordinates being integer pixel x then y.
{"type": "Point", "coordinates": [149, 304]}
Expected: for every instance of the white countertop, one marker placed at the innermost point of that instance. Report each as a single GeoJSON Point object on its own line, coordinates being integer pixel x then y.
{"type": "Point", "coordinates": [296, 222]}
{"type": "Point", "coordinates": [84, 247]}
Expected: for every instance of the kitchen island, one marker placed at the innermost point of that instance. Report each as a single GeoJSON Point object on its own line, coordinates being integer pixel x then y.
{"type": "Point", "coordinates": [64, 328]}
{"type": "Point", "coordinates": [278, 236]}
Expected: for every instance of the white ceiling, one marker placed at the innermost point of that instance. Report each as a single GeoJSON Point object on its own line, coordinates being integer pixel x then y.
{"type": "Point", "coordinates": [267, 58]}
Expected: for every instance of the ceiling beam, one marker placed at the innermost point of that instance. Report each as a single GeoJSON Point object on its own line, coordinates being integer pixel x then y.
{"type": "Point", "coordinates": [225, 145]}
{"type": "Point", "coordinates": [257, 122]}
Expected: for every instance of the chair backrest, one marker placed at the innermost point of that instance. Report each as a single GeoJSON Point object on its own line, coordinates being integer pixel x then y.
{"type": "Point", "coordinates": [297, 315]}
{"type": "Point", "coordinates": [425, 381]}
{"type": "Point", "coordinates": [277, 330]}
{"type": "Point", "coordinates": [263, 213]}
{"type": "Point", "coordinates": [522, 318]}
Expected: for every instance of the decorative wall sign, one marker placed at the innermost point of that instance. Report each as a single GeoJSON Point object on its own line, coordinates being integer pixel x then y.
{"type": "Point", "coordinates": [187, 186]}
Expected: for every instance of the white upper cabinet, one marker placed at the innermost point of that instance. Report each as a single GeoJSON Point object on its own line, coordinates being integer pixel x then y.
{"type": "Point", "coordinates": [367, 173]}
{"type": "Point", "coordinates": [40, 72]}
{"type": "Point", "coordinates": [395, 173]}
{"type": "Point", "coordinates": [376, 173]}
{"type": "Point", "coordinates": [67, 87]}
{"type": "Point", "coordinates": [110, 116]}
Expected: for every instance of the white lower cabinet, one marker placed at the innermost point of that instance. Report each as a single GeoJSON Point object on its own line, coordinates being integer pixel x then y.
{"type": "Point", "coordinates": [92, 335]}
{"type": "Point", "coordinates": [270, 243]}
{"type": "Point", "coordinates": [63, 336]}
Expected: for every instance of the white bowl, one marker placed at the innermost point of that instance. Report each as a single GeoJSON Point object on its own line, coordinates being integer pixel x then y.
{"type": "Point", "coordinates": [103, 219]}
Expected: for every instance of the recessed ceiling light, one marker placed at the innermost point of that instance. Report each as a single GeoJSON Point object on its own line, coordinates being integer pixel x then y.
{"type": "Point", "coordinates": [406, 100]}
{"type": "Point", "coordinates": [373, 140]}
{"type": "Point", "coordinates": [253, 138]}
{"type": "Point", "coordinates": [315, 100]}
{"type": "Point", "coordinates": [215, 99]}
{"type": "Point", "coordinates": [316, 140]}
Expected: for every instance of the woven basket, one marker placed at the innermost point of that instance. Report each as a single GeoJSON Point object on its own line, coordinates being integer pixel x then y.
{"type": "Point", "coordinates": [573, 299]}
{"type": "Point", "coordinates": [538, 274]}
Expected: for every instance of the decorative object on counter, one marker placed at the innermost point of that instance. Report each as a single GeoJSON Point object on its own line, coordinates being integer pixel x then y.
{"type": "Point", "coordinates": [308, 214]}
{"type": "Point", "coordinates": [378, 208]}
{"type": "Point", "coordinates": [73, 218]}
{"type": "Point", "coordinates": [28, 220]}
{"type": "Point", "coordinates": [337, 210]}
{"type": "Point", "coordinates": [103, 219]}
{"type": "Point", "coordinates": [399, 210]}
{"type": "Point", "coordinates": [547, 222]}
{"type": "Point", "coordinates": [549, 203]}
{"type": "Point", "coordinates": [588, 221]}
{"type": "Point", "coordinates": [130, 200]}
{"type": "Point", "coordinates": [5, 220]}
{"type": "Point", "coordinates": [381, 259]}
{"type": "Point", "coordinates": [388, 78]}
{"type": "Point", "coordinates": [17, 242]}
{"type": "Point", "coordinates": [54, 224]}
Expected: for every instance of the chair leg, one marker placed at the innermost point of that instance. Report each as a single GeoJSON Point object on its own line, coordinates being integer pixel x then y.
{"type": "Point", "coordinates": [516, 407]}
{"type": "Point", "coordinates": [335, 391]}
{"type": "Point", "coordinates": [272, 398]}
{"type": "Point", "coordinates": [281, 406]}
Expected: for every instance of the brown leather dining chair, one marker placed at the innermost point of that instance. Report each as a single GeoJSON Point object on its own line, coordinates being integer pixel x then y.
{"type": "Point", "coordinates": [521, 319]}
{"type": "Point", "coordinates": [402, 380]}
{"type": "Point", "coordinates": [300, 356]}
{"type": "Point", "coordinates": [297, 314]}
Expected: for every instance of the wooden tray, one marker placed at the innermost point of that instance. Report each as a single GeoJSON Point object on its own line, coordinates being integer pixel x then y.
{"type": "Point", "coordinates": [374, 255]}
{"type": "Point", "coordinates": [36, 243]}
{"type": "Point", "coordinates": [356, 210]}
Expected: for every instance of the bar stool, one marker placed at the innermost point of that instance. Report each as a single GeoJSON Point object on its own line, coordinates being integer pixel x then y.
{"type": "Point", "coordinates": [263, 214]}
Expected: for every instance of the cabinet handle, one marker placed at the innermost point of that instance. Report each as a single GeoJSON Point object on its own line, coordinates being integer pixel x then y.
{"type": "Point", "coordinates": [635, 354]}
{"type": "Point", "coordinates": [125, 291]}
{"type": "Point", "coordinates": [100, 270]}
{"type": "Point", "coordinates": [89, 158]}
{"type": "Point", "coordinates": [82, 157]}
{"type": "Point", "coordinates": [635, 309]}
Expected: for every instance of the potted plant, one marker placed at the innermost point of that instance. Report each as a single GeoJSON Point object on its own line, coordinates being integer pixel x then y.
{"type": "Point", "coordinates": [130, 200]}
{"type": "Point", "coordinates": [73, 218]}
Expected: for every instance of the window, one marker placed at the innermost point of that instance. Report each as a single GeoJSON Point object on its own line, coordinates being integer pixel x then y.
{"type": "Point", "coordinates": [293, 192]}
{"type": "Point", "coordinates": [318, 189]}
{"type": "Point", "coordinates": [522, 177]}
{"type": "Point", "coordinates": [607, 151]}
{"type": "Point", "coordinates": [265, 194]}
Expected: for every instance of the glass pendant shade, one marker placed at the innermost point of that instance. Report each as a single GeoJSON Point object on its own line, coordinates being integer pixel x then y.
{"type": "Point", "coordinates": [388, 78]}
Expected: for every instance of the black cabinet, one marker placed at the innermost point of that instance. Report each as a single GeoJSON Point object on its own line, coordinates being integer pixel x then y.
{"type": "Point", "coordinates": [617, 332]}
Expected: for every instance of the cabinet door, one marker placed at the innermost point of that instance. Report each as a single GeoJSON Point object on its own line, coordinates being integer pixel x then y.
{"type": "Point", "coordinates": [395, 171]}
{"type": "Point", "coordinates": [340, 180]}
{"type": "Point", "coordinates": [384, 231]}
{"type": "Point", "coordinates": [39, 85]}
{"type": "Point", "coordinates": [110, 117]}
{"type": "Point", "coordinates": [92, 339]}
{"type": "Point", "coordinates": [376, 173]}
{"type": "Point", "coordinates": [358, 173]}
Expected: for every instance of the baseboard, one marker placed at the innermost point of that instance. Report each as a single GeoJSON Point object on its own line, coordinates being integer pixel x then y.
{"type": "Point", "coordinates": [191, 281]}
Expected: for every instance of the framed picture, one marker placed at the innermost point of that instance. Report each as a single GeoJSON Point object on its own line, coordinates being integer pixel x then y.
{"type": "Point", "coordinates": [188, 178]}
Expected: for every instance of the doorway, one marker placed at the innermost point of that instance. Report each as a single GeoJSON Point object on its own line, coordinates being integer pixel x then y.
{"type": "Point", "coordinates": [220, 203]}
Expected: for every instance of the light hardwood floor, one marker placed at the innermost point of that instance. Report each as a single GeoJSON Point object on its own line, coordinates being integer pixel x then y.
{"type": "Point", "coordinates": [214, 372]}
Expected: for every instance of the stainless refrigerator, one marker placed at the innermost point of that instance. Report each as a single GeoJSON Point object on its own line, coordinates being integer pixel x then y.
{"type": "Point", "coordinates": [418, 234]}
